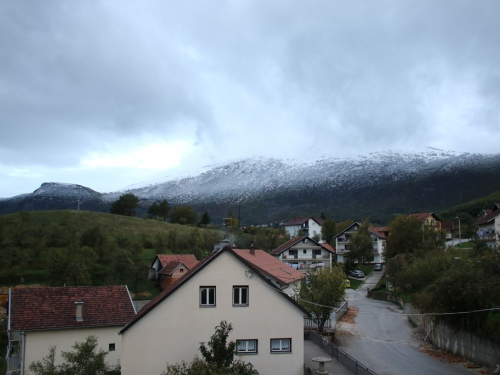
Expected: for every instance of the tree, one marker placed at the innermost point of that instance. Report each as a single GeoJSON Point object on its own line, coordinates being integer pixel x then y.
{"type": "Point", "coordinates": [205, 219]}
{"type": "Point", "coordinates": [13, 262]}
{"type": "Point", "coordinates": [163, 209]}
{"type": "Point", "coordinates": [328, 230]}
{"type": "Point", "coordinates": [85, 359]}
{"type": "Point", "coordinates": [218, 357]}
{"type": "Point", "coordinates": [361, 243]}
{"type": "Point", "coordinates": [154, 210]}
{"type": "Point", "coordinates": [183, 215]}
{"type": "Point", "coordinates": [125, 205]}
{"type": "Point", "coordinates": [406, 236]}
{"type": "Point", "coordinates": [322, 291]}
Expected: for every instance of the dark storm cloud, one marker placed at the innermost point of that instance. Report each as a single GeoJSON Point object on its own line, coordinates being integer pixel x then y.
{"type": "Point", "coordinates": [236, 79]}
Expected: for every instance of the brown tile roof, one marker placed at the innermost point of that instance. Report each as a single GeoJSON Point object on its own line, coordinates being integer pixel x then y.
{"type": "Point", "coordinates": [301, 220]}
{"type": "Point", "coordinates": [378, 231]}
{"type": "Point", "coordinates": [328, 247]}
{"type": "Point", "coordinates": [486, 219]}
{"type": "Point", "coordinates": [286, 245]}
{"type": "Point", "coordinates": [54, 308]}
{"type": "Point", "coordinates": [171, 267]}
{"type": "Point", "coordinates": [448, 225]}
{"type": "Point", "coordinates": [271, 266]}
{"type": "Point", "coordinates": [178, 284]}
{"type": "Point", "coordinates": [188, 259]}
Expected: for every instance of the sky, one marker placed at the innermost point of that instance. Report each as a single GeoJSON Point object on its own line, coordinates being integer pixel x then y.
{"type": "Point", "coordinates": [110, 93]}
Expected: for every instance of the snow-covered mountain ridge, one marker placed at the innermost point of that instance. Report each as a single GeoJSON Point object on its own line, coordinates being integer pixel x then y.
{"type": "Point", "coordinates": [270, 189]}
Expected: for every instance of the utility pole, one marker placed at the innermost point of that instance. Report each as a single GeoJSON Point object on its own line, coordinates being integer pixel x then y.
{"type": "Point", "coordinates": [78, 198]}
{"type": "Point", "coordinates": [459, 232]}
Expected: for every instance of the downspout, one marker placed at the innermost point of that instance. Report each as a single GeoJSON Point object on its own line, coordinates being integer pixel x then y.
{"type": "Point", "coordinates": [23, 334]}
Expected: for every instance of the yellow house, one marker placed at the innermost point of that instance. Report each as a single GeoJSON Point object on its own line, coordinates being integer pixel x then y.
{"type": "Point", "coordinates": [429, 219]}
{"type": "Point", "coordinates": [268, 326]}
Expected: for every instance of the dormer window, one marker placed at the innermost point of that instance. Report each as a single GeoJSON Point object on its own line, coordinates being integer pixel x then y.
{"type": "Point", "coordinates": [79, 311]}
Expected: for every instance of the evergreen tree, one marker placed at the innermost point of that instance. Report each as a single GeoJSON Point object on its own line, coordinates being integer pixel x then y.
{"type": "Point", "coordinates": [154, 210]}
{"type": "Point", "coordinates": [328, 230]}
{"type": "Point", "coordinates": [125, 205]}
{"type": "Point", "coordinates": [205, 219]}
{"type": "Point", "coordinates": [164, 209]}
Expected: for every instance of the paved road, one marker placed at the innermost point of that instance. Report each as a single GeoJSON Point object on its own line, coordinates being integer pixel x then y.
{"type": "Point", "coordinates": [383, 340]}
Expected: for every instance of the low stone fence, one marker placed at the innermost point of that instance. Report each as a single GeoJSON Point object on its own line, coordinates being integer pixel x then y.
{"type": "Point", "coordinates": [477, 349]}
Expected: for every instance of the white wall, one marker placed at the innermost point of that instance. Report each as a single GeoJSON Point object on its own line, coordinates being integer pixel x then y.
{"type": "Point", "coordinates": [39, 342]}
{"type": "Point", "coordinates": [172, 331]}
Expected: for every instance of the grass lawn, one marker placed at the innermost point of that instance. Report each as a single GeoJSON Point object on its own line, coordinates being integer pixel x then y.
{"type": "Point", "coordinates": [355, 283]}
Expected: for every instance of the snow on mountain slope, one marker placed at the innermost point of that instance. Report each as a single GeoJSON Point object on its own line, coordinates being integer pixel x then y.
{"type": "Point", "coordinates": [248, 179]}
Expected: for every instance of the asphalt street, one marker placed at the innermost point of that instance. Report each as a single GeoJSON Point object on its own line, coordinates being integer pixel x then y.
{"type": "Point", "coordinates": [383, 339]}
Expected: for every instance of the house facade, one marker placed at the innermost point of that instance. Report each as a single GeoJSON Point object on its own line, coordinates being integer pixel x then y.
{"type": "Point", "coordinates": [43, 317]}
{"type": "Point", "coordinates": [310, 226]}
{"type": "Point", "coordinates": [488, 227]}
{"type": "Point", "coordinates": [343, 243]}
{"type": "Point", "coordinates": [429, 220]}
{"type": "Point", "coordinates": [267, 324]}
{"type": "Point", "coordinates": [303, 253]}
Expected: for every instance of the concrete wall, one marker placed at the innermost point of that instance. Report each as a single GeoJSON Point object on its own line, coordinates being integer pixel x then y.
{"type": "Point", "coordinates": [172, 331]}
{"type": "Point", "coordinates": [39, 342]}
{"type": "Point", "coordinates": [477, 349]}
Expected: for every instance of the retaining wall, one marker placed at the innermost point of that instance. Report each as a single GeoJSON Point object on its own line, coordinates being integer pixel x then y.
{"type": "Point", "coordinates": [477, 349]}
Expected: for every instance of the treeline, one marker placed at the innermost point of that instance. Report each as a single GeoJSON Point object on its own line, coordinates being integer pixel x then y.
{"type": "Point", "coordinates": [451, 281]}
{"type": "Point", "coordinates": [79, 248]}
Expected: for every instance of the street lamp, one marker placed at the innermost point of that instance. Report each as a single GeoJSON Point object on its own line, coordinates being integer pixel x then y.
{"type": "Point", "coordinates": [459, 232]}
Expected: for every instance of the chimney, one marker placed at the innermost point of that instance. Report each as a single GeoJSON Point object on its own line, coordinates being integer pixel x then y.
{"type": "Point", "coordinates": [79, 311]}
{"type": "Point", "coordinates": [252, 249]}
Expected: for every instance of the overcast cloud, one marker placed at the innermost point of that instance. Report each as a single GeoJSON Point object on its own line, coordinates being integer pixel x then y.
{"type": "Point", "coordinates": [110, 93]}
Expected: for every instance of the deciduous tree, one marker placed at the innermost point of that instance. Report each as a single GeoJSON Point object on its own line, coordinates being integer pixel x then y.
{"type": "Point", "coordinates": [125, 205]}
{"type": "Point", "coordinates": [328, 230]}
{"type": "Point", "coordinates": [361, 243]}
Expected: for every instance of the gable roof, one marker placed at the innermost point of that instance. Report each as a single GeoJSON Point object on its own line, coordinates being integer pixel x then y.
{"type": "Point", "coordinates": [184, 279]}
{"type": "Point", "coordinates": [188, 259]}
{"type": "Point", "coordinates": [423, 216]}
{"type": "Point", "coordinates": [347, 229]}
{"type": "Point", "coordinates": [301, 220]}
{"type": "Point", "coordinates": [296, 240]}
{"type": "Point", "coordinates": [378, 231]}
{"type": "Point", "coordinates": [271, 266]}
{"type": "Point", "coordinates": [49, 308]}
{"type": "Point", "coordinates": [489, 217]}
{"type": "Point", "coordinates": [171, 267]}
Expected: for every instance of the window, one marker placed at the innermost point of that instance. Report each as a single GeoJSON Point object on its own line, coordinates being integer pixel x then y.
{"type": "Point", "coordinates": [111, 347]}
{"type": "Point", "coordinates": [181, 270]}
{"type": "Point", "coordinates": [316, 254]}
{"type": "Point", "coordinates": [304, 251]}
{"type": "Point", "coordinates": [281, 345]}
{"type": "Point", "coordinates": [240, 295]}
{"type": "Point", "coordinates": [207, 295]}
{"type": "Point", "coordinates": [246, 346]}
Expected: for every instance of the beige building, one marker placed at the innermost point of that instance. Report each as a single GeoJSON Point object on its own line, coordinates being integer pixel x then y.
{"type": "Point", "coordinates": [43, 317]}
{"type": "Point", "coordinates": [268, 326]}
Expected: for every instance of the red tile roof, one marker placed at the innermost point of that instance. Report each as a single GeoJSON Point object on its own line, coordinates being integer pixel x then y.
{"type": "Point", "coordinates": [271, 266]}
{"type": "Point", "coordinates": [181, 281]}
{"type": "Point", "coordinates": [378, 231]}
{"type": "Point", "coordinates": [55, 308]}
{"type": "Point", "coordinates": [301, 220]}
{"type": "Point", "coordinates": [188, 259]}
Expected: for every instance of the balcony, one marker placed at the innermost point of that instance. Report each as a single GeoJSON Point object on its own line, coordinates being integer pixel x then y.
{"type": "Point", "coordinates": [13, 363]}
{"type": "Point", "coordinates": [305, 256]}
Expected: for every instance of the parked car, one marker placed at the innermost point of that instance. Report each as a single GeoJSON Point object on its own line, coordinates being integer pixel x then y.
{"type": "Point", "coordinates": [357, 273]}
{"type": "Point", "coordinates": [378, 267]}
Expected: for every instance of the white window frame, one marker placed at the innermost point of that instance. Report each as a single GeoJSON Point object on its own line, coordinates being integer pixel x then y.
{"type": "Point", "coordinates": [240, 288]}
{"type": "Point", "coordinates": [207, 289]}
{"type": "Point", "coordinates": [246, 350]}
{"type": "Point", "coordinates": [282, 348]}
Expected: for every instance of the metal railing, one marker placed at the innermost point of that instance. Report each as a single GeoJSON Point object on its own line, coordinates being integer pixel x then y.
{"type": "Point", "coordinates": [340, 356]}
{"type": "Point", "coordinates": [13, 363]}
{"type": "Point", "coordinates": [312, 323]}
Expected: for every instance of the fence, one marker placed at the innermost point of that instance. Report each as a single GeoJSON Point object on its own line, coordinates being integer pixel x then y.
{"type": "Point", "coordinates": [312, 323]}
{"type": "Point", "coordinates": [341, 311]}
{"type": "Point", "coordinates": [339, 355]}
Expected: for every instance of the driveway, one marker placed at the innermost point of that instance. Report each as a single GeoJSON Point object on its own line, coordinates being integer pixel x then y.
{"type": "Point", "coordinates": [383, 339]}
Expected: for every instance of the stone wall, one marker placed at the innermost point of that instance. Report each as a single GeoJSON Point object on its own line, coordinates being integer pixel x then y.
{"type": "Point", "coordinates": [477, 349]}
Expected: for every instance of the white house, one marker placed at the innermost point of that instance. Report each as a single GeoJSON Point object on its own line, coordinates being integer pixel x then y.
{"type": "Point", "coordinates": [489, 226]}
{"type": "Point", "coordinates": [267, 324]}
{"type": "Point", "coordinates": [304, 253]}
{"type": "Point", "coordinates": [44, 317]}
{"type": "Point", "coordinates": [343, 243]}
{"type": "Point", "coordinates": [310, 226]}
